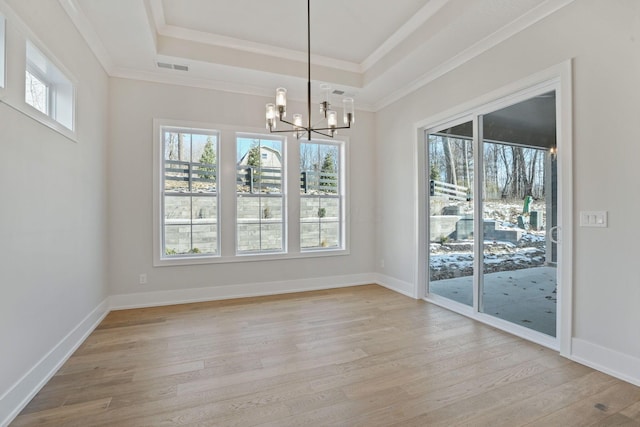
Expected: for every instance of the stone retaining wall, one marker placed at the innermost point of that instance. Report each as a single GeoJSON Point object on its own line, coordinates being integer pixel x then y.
{"type": "Point", "coordinates": [259, 223]}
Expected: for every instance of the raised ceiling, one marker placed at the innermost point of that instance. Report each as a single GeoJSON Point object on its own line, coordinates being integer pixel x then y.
{"type": "Point", "coordinates": [375, 50]}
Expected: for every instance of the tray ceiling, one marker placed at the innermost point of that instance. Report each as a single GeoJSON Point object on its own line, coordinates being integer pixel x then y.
{"type": "Point", "coordinates": [375, 50]}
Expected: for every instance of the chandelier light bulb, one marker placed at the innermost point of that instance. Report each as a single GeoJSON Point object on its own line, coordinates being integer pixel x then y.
{"type": "Point", "coordinates": [271, 116]}
{"type": "Point", "coordinates": [325, 91]}
{"type": "Point", "coordinates": [349, 111]}
{"type": "Point", "coordinates": [332, 119]}
{"type": "Point", "coordinates": [281, 101]}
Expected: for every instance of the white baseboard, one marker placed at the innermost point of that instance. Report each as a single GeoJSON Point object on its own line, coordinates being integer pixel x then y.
{"type": "Point", "coordinates": [183, 296]}
{"type": "Point", "coordinates": [614, 363]}
{"type": "Point", "coordinates": [400, 286]}
{"type": "Point", "coordinates": [19, 395]}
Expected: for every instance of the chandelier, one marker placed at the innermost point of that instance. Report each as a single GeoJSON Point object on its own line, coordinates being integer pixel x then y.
{"type": "Point", "coordinates": [327, 126]}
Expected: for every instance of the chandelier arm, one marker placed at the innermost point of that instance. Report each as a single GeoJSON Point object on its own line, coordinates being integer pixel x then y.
{"type": "Point", "coordinates": [319, 133]}
{"type": "Point", "coordinates": [292, 124]}
{"type": "Point", "coordinates": [331, 128]}
{"type": "Point", "coordinates": [301, 130]}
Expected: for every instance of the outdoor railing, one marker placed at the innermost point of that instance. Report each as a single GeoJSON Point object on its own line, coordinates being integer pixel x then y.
{"type": "Point", "coordinates": [452, 191]}
{"type": "Point", "coordinates": [191, 175]}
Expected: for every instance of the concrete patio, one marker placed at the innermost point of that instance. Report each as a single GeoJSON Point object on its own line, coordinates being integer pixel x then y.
{"type": "Point", "coordinates": [526, 297]}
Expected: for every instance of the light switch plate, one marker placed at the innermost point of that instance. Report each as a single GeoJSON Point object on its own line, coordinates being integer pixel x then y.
{"type": "Point", "coordinates": [593, 219]}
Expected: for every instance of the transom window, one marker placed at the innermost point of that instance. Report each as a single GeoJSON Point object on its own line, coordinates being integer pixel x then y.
{"type": "Point", "coordinates": [37, 91]}
{"type": "Point", "coordinates": [47, 89]}
{"type": "Point", "coordinates": [190, 192]}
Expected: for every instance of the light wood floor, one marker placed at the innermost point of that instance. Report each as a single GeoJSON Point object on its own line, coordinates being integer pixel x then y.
{"type": "Point", "coordinates": [361, 356]}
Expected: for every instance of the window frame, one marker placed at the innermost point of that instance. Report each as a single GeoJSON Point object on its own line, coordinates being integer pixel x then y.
{"type": "Point", "coordinates": [49, 88]}
{"type": "Point", "coordinates": [341, 197]}
{"type": "Point", "coordinates": [61, 93]}
{"type": "Point", "coordinates": [227, 202]}
{"type": "Point", "coordinates": [159, 252]}
{"type": "Point", "coordinates": [281, 195]}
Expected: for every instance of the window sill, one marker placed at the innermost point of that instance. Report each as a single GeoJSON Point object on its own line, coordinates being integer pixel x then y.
{"type": "Point", "coordinates": [43, 119]}
{"type": "Point", "coordinates": [198, 260]}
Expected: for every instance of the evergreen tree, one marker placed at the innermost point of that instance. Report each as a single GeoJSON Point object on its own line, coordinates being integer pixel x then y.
{"type": "Point", "coordinates": [208, 157]}
{"type": "Point", "coordinates": [435, 172]}
{"type": "Point", "coordinates": [328, 171]}
{"type": "Point", "coordinates": [253, 159]}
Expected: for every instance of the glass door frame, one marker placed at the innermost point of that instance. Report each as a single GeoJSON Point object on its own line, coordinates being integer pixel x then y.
{"type": "Point", "coordinates": [556, 79]}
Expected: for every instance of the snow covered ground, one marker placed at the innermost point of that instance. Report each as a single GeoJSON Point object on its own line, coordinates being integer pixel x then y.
{"type": "Point", "coordinates": [449, 259]}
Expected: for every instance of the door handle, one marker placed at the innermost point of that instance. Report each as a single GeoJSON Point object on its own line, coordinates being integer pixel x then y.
{"type": "Point", "coordinates": [552, 230]}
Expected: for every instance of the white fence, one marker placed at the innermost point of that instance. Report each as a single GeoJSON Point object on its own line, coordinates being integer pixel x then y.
{"type": "Point", "coordinates": [453, 192]}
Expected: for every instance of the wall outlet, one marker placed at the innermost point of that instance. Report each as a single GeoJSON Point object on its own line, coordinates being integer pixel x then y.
{"type": "Point", "coordinates": [143, 279]}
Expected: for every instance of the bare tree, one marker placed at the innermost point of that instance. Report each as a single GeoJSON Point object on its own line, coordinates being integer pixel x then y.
{"type": "Point", "coordinates": [450, 165]}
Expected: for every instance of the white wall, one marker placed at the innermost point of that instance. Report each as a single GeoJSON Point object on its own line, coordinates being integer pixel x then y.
{"type": "Point", "coordinates": [52, 212]}
{"type": "Point", "coordinates": [134, 104]}
{"type": "Point", "coordinates": [604, 39]}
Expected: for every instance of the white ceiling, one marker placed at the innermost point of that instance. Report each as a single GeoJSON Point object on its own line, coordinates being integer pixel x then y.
{"type": "Point", "coordinates": [376, 50]}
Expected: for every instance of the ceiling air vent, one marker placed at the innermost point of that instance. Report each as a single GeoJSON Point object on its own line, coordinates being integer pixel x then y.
{"type": "Point", "coordinates": [173, 66]}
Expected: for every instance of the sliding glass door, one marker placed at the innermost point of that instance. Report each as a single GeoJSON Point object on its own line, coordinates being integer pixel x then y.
{"type": "Point", "coordinates": [492, 202]}
{"type": "Point", "coordinates": [451, 213]}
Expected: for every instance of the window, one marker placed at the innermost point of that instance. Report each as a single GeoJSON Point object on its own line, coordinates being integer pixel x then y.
{"type": "Point", "coordinates": [260, 194]}
{"type": "Point", "coordinates": [321, 196]}
{"type": "Point", "coordinates": [37, 93]}
{"type": "Point", "coordinates": [2, 49]}
{"type": "Point", "coordinates": [47, 89]}
{"type": "Point", "coordinates": [189, 193]}
{"type": "Point", "coordinates": [229, 196]}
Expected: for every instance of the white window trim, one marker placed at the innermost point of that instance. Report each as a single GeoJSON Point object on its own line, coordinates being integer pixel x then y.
{"type": "Point", "coordinates": [227, 200]}
{"type": "Point", "coordinates": [283, 194]}
{"type": "Point", "coordinates": [342, 195]}
{"type": "Point", "coordinates": [158, 181]}
{"type": "Point", "coordinates": [61, 89]}
{"type": "Point", "coordinates": [50, 87]}
{"type": "Point", "coordinates": [558, 78]}
{"type": "Point", "coordinates": [17, 33]}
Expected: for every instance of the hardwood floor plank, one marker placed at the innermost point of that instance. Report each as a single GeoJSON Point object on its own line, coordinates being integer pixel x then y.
{"type": "Point", "coordinates": [535, 407]}
{"type": "Point", "coordinates": [632, 411]}
{"type": "Point", "coordinates": [339, 414]}
{"type": "Point", "coordinates": [593, 409]}
{"type": "Point", "coordinates": [360, 356]}
{"type": "Point", "coordinates": [617, 420]}
{"type": "Point", "coordinates": [461, 411]}
{"type": "Point", "coordinates": [58, 416]}
{"type": "Point", "coordinates": [247, 376]}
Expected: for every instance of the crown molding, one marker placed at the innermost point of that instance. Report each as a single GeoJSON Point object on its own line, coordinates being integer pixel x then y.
{"type": "Point", "coordinates": [85, 28]}
{"type": "Point", "coordinates": [534, 15]}
{"type": "Point", "coordinates": [156, 13]}
{"type": "Point", "coordinates": [171, 78]}
{"type": "Point", "coordinates": [417, 20]}
{"type": "Point", "coordinates": [253, 47]}
{"type": "Point", "coordinates": [163, 29]}
{"type": "Point", "coordinates": [158, 26]}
